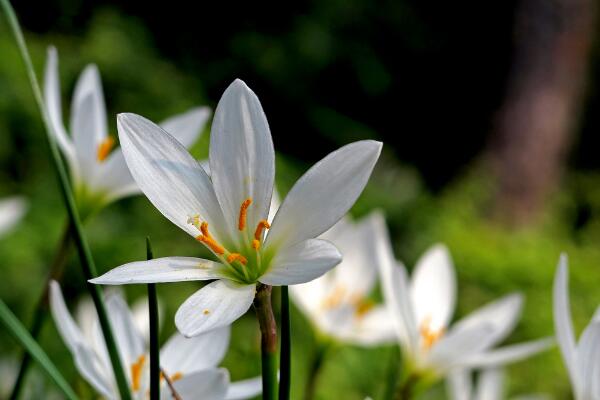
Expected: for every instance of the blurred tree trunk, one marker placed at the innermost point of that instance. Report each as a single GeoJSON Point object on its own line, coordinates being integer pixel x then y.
{"type": "Point", "coordinates": [535, 125]}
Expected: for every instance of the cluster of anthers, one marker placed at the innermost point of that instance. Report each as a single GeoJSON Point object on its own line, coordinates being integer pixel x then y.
{"type": "Point", "coordinates": [104, 148]}
{"type": "Point", "coordinates": [231, 257]}
{"type": "Point", "coordinates": [361, 304]}
{"type": "Point", "coordinates": [429, 336]}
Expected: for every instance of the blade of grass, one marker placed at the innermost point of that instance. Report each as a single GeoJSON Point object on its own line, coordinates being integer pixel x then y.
{"type": "Point", "coordinates": [154, 349]}
{"type": "Point", "coordinates": [19, 332]}
{"type": "Point", "coordinates": [285, 347]}
{"type": "Point", "coordinates": [85, 256]}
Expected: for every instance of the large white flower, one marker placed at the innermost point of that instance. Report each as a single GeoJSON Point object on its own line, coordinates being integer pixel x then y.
{"type": "Point", "coordinates": [422, 309]}
{"type": "Point", "coordinates": [582, 359]}
{"type": "Point", "coordinates": [190, 363]}
{"type": "Point", "coordinates": [227, 211]}
{"type": "Point", "coordinates": [12, 210]}
{"type": "Point", "coordinates": [337, 303]}
{"type": "Point", "coordinates": [99, 171]}
{"type": "Point", "coordinates": [490, 386]}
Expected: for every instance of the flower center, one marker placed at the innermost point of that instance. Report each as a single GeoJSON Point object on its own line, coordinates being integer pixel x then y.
{"type": "Point", "coordinates": [362, 306]}
{"type": "Point", "coordinates": [429, 336]}
{"type": "Point", "coordinates": [104, 148]}
{"type": "Point", "coordinates": [335, 298]}
{"type": "Point", "coordinates": [136, 372]}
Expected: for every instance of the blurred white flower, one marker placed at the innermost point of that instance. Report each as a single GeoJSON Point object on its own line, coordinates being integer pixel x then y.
{"type": "Point", "coordinates": [190, 363]}
{"type": "Point", "coordinates": [422, 309]}
{"type": "Point", "coordinates": [490, 386]}
{"type": "Point", "coordinates": [99, 171]}
{"type": "Point", "coordinates": [12, 210]}
{"type": "Point", "coordinates": [581, 359]}
{"type": "Point", "coordinates": [337, 303]}
{"type": "Point", "coordinates": [228, 211]}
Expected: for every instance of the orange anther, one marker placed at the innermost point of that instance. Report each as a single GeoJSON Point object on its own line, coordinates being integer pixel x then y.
{"type": "Point", "coordinates": [243, 213]}
{"type": "Point", "coordinates": [262, 224]}
{"type": "Point", "coordinates": [237, 257]}
{"type": "Point", "coordinates": [204, 229]}
{"type": "Point", "coordinates": [136, 373]}
{"type": "Point", "coordinates": [256, 244]}
{"type": "Point", "coordinates": [104, 148]}
{"type": "Point", "coordinates": [210, 242]}
{"type": "Point", "coordinates": [176, 376]}
{"type": "Point", "coordinates": [429, 336]}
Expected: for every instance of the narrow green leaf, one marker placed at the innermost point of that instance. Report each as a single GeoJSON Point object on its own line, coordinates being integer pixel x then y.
{"type": "Point", "coordinates": [19, 332]}
{"type": "Point", "coordinates": [154, 349]}
{"type": "Point", "coordinates": [85, 256]}
{"type": "Point", "coordinates": [285, 353]}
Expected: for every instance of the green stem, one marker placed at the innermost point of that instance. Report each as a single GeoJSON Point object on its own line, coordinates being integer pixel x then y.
{"type": "Point", "coordinates": [316, 363]}
{"type": "Point", "coordinates": [87, 263]}
{"type": "Point", "coordinates": [154, 349]}
{"type": "Point", "coordinates": [286, 346]}
{"type": "Point", "coordinates": [268, 342]}
{"type": "Point", "coordinates": [18, 331]}
{"type": "Point", "coordinates": [409, 388]}
{"type": "Point", "coordinates": [41, 308]}
{"type": "Point", "coordinates": [392, 374]}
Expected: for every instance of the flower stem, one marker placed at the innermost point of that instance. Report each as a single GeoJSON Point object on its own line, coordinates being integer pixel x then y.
{"type": "Point", "coordinates": [85, 256]}
{"type": "Point", "coordinates": [286, 346]}
{"type": "Point", "coordinates": [268, 342]}
{"type": "Point", "coordinates": [314, 369]}
{"type": "Point", "coordinates": [392, 374]}
{"type": "Point", "coordinates": [409, 387]}
{"type": "Point", "coordinates": [153, 318]}
{"type": "Point", "coordinates": [41, 307]}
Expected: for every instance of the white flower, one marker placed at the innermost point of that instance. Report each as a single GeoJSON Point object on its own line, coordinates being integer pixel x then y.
{"type": "Point", "coordinates": [190, 363]}
{"type": "Point", "coordinates": [227, 211]}
{"type": "Point", "coordinates": [490, 386]}
{"type": "Point", "coordinates": [337, 303]}
{"type": "Point", "coordinates": [582, 359]}
{"type": "Point", "coordinates": [99, 171]}
{"type": "Point", "coordinates": [422, 309]}
{"type": "Point", "coordinates": [12, 210]}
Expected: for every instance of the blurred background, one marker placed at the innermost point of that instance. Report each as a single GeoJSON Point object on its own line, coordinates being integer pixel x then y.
{"type": "Point", "coordinates": [488, 112]}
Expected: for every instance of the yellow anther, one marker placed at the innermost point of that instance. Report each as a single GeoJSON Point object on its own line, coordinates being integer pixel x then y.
{"type": "Point", "coordinates": [206, 311]}
{"type": "Point", "coordinates": [428, 335]}
{"type": "Point", "coordinates": [363, 306]}
{"type": "Point", "coordinates": [176, 376]}
{"type": "Point", "coordinates": [262, 225]}
{"type": "Point", "coordinates": [256, 244]}
{"type": "Point", "coordinates": [237, 257]}
{"type": "Point", "coordinates": [104, 148]}
{"type": "Point", "coordinates": [136, 373]}
{"type": "Point", "coordinates": [244, 213]}
{"type": "Point", "coordinates": [335, 298]}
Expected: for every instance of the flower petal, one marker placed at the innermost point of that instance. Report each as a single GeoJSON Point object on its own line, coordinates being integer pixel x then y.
{"type": "Point", "coordinates": [371, 329]}
{"type": "Point", "coordinates": [187, 355]}
{"type": "Point", "coordinates": [93, 371]}
{"type": "Point", "coordinates": [12, 210]}
{"type": "Point", "coordinates": [113, 178]}
{"type": "Point", "coordinates": [324, 193]}
{"type": "Point", "coordinates": [302, 262]}
{"type": "Point", "coordinates": [507, 354]}
{"type": "Point", "coordinates": [242, 158]}
{"type": "Point", "coordinates": [210, 384]}
{"type": "Point", "coordinates": [168, 175]}
{"type": "Point", "coordinates": [52, 98]}
{"type": "Point", "coordinates": [433, 288]}
{"type": "Point", "coordinates": [491, 385]}
{"type": "Point", "coordinates": [588, 363]}
{"type": "Point", "coordinates": [502, 315]}
{"type": "Point", "coordinates": [563, 327]}
{"type": "Point", "coordinates": [459, 385]}
{"type": "Point", "coordinates": [166, 269]}
{"type": "Point", "coordinates": [129, 340]}
{"type": "Point", "coordinates": [244, 389]}
{"type": "Point", "coordinates": [457, 345]}
{"type": "Point", "coordinates": [215, 305]}
{"type": "Point", "coordinates": [187, 127]}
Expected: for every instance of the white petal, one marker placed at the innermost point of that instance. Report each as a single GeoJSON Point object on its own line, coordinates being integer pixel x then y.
{"type": "Point", "coordinates": [83, 125]}
{"type": "Point", "coordinates": [563, 327]}
{"type": "Point", "coordinates": [245, 389]}
{"type": "Point", "coordinates": [491, 385]}
{"type": "Point", "coordinates": [371, 329]}
{"type": "Point", "coordinates": [129, 340]}
{"type": "Point", "coordinates": [166, 269]}
{"type": "Point", "coordinates": [459, 385]}
{"type": "Point", "coordinates": [12, 210]}
{"type": "Point", "coordinates": [242, 158]}
{"type": "Point", "coordinates": [168, 175]}
{"type": "Point", "coordinates": [52, 98]}
{"type": "Point", "coordinates": [215, 305]}
{"type": "Point", "coordinates": [302, 262]}
{"type": "Point", "coordinates": [588, 363]}
{"type": "Point", "coordinates": [433, 288]}
{"type": "Point", "coordinates": [187, 127]}
{"type": "Point", "coordinates": [209, 384]}
{"type": "Point", "coordinates": [324, 193]}
{"type": "Point", "coordinates": [456, 346]}
{"type": "Point", "coordinates": [394, 285]}
{"type": "Point", "coordinates": [113, 178]}
{"type": "Point", "coordinates": [94, 372]}
{"type": "Point", "coordinates": [187, 355]}
{"type": "Point", "coordinates": [507, 354]}
{"type": "Point", "coordinates": [502, 315]}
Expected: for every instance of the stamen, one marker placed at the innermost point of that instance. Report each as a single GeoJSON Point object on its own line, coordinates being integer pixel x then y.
{"type": "Point", "coordinates": [237, 257]}
{"type": "Point", "coordinates": [363, 306]}
{"type": "Point", "coordinates": [428, 335]}
{"type": "Point", "coordinates": [256, 244]}
{"type": "Point", "coordinates": [262, 225]}
{"type": "Point", "coordinates": [206, 311]}
{"type": "Point", "coordinates": [195, 221]}
{"type": "Point", "coordinates": [243, 213]}
{"type": "Point", "coordinates": [204, 229]}
{"type": "Point", "coordinates": [210, 242]}
{"type": "Point", "coordinates": [176, 376]}
{"type": "Point", "coordinates": [104, 148]}
{"type": "Point", "coordinates": [136, 373]}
